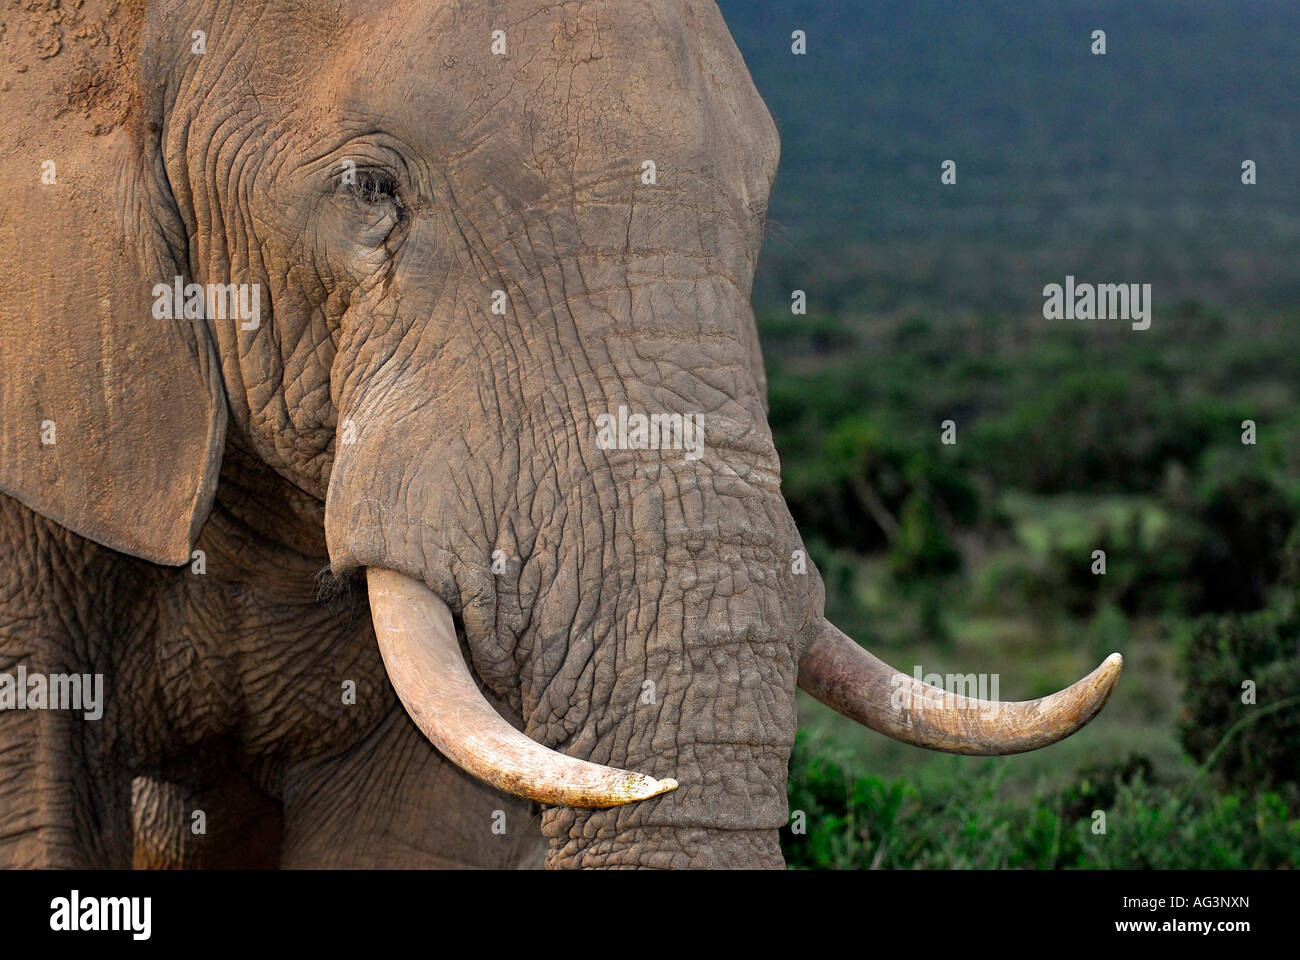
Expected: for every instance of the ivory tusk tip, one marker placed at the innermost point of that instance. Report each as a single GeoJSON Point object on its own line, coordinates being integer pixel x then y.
{"type": "Point", "coordinates": [1105, 676]}
{"type": "Point", "coordinates": [650, 787]}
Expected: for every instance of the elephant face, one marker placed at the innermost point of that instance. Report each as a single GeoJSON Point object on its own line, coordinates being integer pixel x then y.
{"type": "Point", "coordinates": [505, 337]}
{"type": "Point", "coordinates": [391, 174]}
{"type": "Point", "coordinates": [469, 265]}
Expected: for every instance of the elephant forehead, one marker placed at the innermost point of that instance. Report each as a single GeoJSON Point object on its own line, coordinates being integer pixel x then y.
{"type": "Point", "coordinates": [521, 92]}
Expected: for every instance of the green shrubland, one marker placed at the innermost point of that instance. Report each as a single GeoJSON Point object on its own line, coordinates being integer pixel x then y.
{"type": "Point", "coordinates": [982, 555]}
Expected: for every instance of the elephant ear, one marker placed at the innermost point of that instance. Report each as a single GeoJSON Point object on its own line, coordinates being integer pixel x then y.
{"type": "Point", "coordinates": [112, 422]}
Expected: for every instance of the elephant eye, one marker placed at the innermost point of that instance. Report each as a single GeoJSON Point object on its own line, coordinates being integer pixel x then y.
{"type": "Point", "coordinates": [374, 188]}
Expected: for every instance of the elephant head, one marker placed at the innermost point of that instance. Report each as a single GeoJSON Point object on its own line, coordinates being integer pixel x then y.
{"type": "Point", "coordinates": [494, 245]}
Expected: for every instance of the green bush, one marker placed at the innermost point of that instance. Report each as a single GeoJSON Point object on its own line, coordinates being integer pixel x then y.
{"type": "Point", "coordinates": [1233, 542]}
{"type": "Point", "coordinates": [1097, 431]}
{"type": "Point", "coordinates": [1158, 828]}
{"type": "Point", "coordinates": [922, 547]}
{"type": "Point", "coordinates": [855, 821]}
{"type": "Point", "coordinates": [1141, 577]}
{"type": "Point", "coordinates": [867, 488]}
{"type": "Point", "coordinates": [1257, 745]}
{"type": "Point", "coordinates": [1224, 549]}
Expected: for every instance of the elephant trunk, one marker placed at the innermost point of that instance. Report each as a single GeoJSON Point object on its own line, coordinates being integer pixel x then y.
{"type": "Point", "coordinates": [647, 644]}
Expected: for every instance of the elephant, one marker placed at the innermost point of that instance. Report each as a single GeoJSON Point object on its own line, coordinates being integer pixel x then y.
{"type": "Point", "coordinates": [383, 425]}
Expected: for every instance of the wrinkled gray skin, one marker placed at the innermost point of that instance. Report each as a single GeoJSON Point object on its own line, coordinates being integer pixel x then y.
{"type": "Point", "coordinates": [473, 432]}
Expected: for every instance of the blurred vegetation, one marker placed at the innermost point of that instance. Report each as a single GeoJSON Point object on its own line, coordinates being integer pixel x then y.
{"type": "Point", "coordinates": [980, 555]}
{"type": "Point", "coordinates": [925, 306]}
{"type": "Point", "coordinates": [1247, 745]}
{"type": "Point", "coordinates": [1118, 167]}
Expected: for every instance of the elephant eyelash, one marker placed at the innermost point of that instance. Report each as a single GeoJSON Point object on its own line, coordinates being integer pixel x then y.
{"type": "Point", "coordinates": [376, 188]}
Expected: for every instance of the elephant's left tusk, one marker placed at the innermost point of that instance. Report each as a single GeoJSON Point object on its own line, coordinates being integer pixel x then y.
{"type": "Point", "coordinates": [417, 640]}
{"type": "Point", "coordinates": [851, 681]}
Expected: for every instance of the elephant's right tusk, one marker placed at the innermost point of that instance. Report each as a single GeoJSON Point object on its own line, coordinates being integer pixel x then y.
{"type": "Point", "coordinates": [852, 682]}
{"type": "Point", "coordinates": [417, 640]}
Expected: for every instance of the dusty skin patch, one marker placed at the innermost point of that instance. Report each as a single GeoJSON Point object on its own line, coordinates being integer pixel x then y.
{"type": "Point", "coordinates": [85, 52]}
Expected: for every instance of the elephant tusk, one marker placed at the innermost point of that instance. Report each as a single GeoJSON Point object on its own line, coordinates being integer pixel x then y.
{"type": "Point", "coordinates": [852, 682]}
{"type": "Point", "coordinates": [417, 640]}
